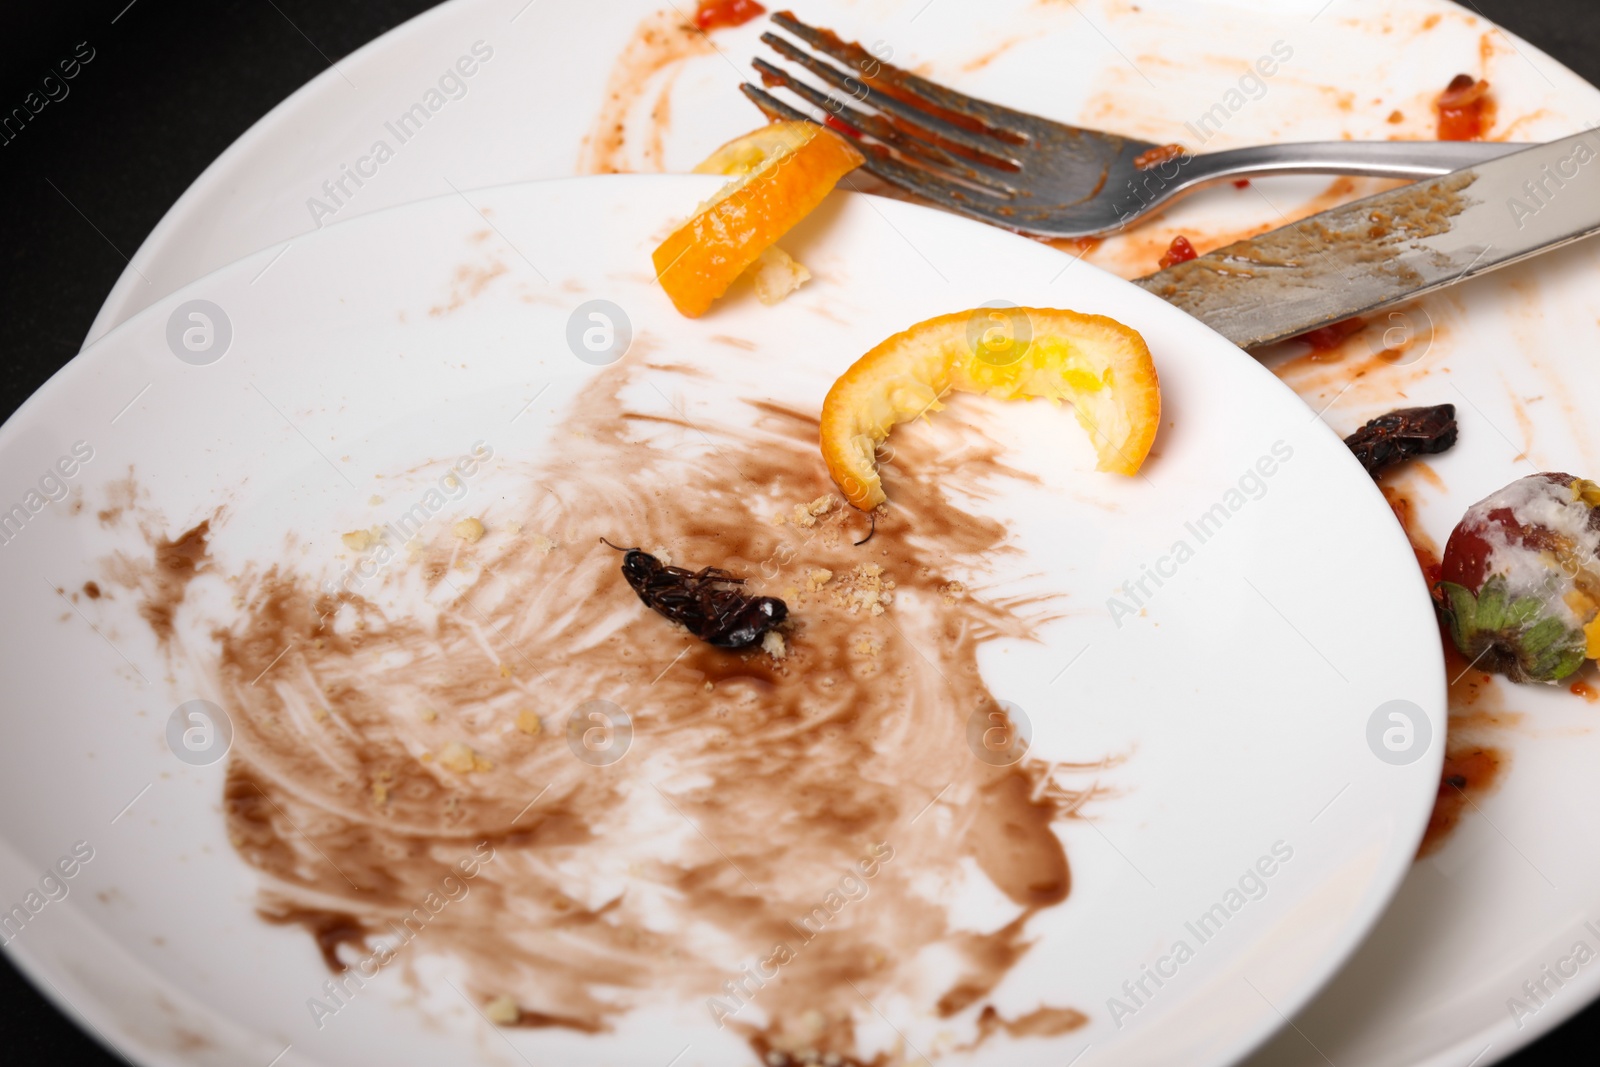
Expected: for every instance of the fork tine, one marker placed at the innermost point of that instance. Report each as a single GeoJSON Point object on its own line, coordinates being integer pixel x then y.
{"type": "Point", "coordinates": [927, 183]}
{"type": "Point", "coordinates": [876, 126]}
{"type": "Point", "coordinates": [993, 119]}
{"type": "Point", "coordinates": [989, 150]}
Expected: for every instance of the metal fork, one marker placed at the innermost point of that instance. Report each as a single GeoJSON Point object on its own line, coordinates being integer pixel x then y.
{"type": "Point", "coordinates": [1034, 175]}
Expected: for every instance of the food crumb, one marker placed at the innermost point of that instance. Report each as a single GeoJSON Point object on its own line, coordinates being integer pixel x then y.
{"type": "Point", "coordinates": [459, 757]}
{"type": "Point", "coordinates": [817, 577]}
{"type": "Point", "coordinates": [502, 1011]}
{"type": "Point", "coordinates": [543, 545]}
{"type": "Point", "coordinates": [863, 589]}
{"type": "Point", "coordinates": [951, 591]}
{"type": "Point", "coordinates": [319, 714]}
{"type": "Point", "coordinates": [773, 645]}
{"type": "Point", "coordinates": [868, 646]}
{"type": "Point", "coordinates": [529, 723]}
{"type": "Point", "coordinates": [374, 500]}
{"type": "Point", "coordinates": [1396, 118]}
{"type": "Point", "coordinates": [505, 670]}
{"type": "Point", "coordinates": [468, 530]}
{"type": "Point", "coordinates": [660, 552]}
{"type": "Point", "coordinates": [428, 714]}
{"type": "Point", "coordinates": [776, 274]}
{"type": "Point", "coordinates": [358, 540]}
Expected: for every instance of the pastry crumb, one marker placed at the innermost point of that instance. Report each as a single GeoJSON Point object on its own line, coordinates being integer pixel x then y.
{"type": "Point", "coordinates": [863, 589]}
{"type": "Point", "coordinates": [817, 577]}
{"type": "Point", "coordinates": [469, 530]}
{"type": "Point", "coordinates": [502, 1011]}
{"type": "Point", "coordinates": [428, 714]}
{"type": "Point", "coordinates": [374, 500]}
{"type": "Point", "coordinates": [543, 545]}
{"type": "Point", "coordinates": [776, 274]}
{"type": "Point", "coordinates": [358, 540]}
{"type": "Point", "coordinates": [458, 756]}
{"type": "Point", "coordinates": [529, 723]}
{"type": "Point", "coordinates": [772, 644]}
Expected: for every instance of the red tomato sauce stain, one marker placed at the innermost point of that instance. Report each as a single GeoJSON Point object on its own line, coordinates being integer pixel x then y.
{"type": "Point", "coordinates": [1470, 769]}
{"type": "Point", "coordinates": [1154, 157]}
{"type": "Point", "coordinates": [713, 14]}
{"type": "Point", "coordinates": [1586, 691]}
{"type": "Point", "coordinates": [1179, 251]}
{"type": "Point", "coordinates": [1326, 339]}
{"type": "Point", "coordinates": [1466, 110]}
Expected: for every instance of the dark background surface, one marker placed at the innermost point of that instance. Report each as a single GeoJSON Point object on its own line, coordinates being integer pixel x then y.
{"type": "Point", "coordinates": [171, 85]}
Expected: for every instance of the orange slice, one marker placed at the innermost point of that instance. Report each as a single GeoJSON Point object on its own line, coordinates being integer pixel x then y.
{"type": "Point", "coordinates": [1100, 366]}
{"type": "Point", "coordinates": [748, 151]}
{"type": "Point", "coordinates": [789, 168]}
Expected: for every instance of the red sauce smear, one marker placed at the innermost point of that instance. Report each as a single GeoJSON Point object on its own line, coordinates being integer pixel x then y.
{"type": "Point", "coordinates": [1154, 157]}
{"type": "Point", "coordinates": [838, 125]}
{"type": "Point", "coordinates": [1466, 772]}
{"type": "Point", "coordinates": [1466, 110]}
{"type": "Point", "coordinates": [1331, 336]}
{"type": "Point", "coordinates": [712, 14]}
{"type": "Point", "coordinates": [1179, 251]}
{"type": "Point", "coordinates": [902, 85]}
{"type": "Point", "coordinates": [1470, 770]}
{"type": "Point", "coordinates": [1586, 691]}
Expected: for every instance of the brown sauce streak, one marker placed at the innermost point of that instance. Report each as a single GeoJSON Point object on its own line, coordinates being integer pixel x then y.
{"type": "Point", "coordinates": [1042, 1022]}
{"type": "Point", "coordinates": [1471, 767]}
{"type": "Point", "coordinates": [795, 767]}
{"type": "Point", "coordinates": [163, 581]}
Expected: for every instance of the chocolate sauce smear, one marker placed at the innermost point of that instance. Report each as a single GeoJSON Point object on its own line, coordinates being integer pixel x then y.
{"type": "Point", "coordinates": [769, 845]}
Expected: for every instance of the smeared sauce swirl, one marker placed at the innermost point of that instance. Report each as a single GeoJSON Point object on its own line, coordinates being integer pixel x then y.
{"type": "Point", "coordinates": [383, 734]}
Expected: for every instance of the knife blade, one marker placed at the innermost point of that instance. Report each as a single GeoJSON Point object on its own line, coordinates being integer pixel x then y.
{"type": "Point", "coordinates": [1372, 253]}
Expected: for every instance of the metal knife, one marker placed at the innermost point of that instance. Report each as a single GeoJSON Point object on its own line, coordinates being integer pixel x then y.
{"type": "Point", "coordinates": [1375, 252]}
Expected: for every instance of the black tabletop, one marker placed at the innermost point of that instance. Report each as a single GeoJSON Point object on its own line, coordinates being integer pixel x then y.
{"type": "Point", "coordinates": [170, 85]}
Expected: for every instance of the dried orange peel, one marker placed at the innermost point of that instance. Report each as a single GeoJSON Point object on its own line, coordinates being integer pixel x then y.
{"type": "Point", "coordinates": [783, 172]}
{"type": "Point", "coordinates": [1097, 364]}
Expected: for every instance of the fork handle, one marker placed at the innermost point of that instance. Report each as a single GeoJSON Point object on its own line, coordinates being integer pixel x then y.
{"type": "Point", "coordinates": [1371, 159]}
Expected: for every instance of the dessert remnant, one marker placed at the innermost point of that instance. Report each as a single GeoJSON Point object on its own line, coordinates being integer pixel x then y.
{"type": "Point", "coordinates": [1404, 434]}
{"type": "Point", "coordinates": [707, 602]}
{"type": "Point", "coordinates": [1520, 585]}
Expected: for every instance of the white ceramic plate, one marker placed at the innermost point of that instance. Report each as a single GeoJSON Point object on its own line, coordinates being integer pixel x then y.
{"type": "Point", "coordinates": [1238, 710]}
{"type": "Point", "coordinates": [1442, 982]}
